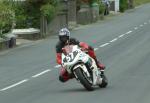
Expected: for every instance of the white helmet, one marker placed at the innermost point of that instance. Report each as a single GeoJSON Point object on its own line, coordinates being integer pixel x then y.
{"type": "Point", "coordinates": [64, 35]}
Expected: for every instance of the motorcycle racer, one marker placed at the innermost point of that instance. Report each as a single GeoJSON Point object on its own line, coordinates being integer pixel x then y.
{"type": "Point", "coordinates": [65, 39]}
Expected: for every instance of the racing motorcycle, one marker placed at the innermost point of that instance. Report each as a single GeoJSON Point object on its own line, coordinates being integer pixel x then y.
{"type": "Point", "coordinates": [81, 66]}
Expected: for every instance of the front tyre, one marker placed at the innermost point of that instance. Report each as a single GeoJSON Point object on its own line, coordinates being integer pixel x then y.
{"type": "Point", "coordinates": [84, 80]}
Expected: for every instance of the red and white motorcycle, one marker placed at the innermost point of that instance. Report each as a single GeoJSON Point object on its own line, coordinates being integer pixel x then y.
{"type": "Point", "coordinates": [82, 67]}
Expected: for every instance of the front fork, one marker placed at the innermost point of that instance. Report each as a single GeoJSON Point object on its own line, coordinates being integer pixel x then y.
{"type": "Point", "coordinates": [96, 77]}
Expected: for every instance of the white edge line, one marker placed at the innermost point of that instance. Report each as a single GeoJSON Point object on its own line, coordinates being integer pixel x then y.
{"type": "Point", "coordinates": [141, 25]}
{"type": "Point", "coordinates": [121, 35]}
{"type": "Point", "coordinates": [95, 49]}
{"type": "Point", "coordinates": [104, 44]}
{"type": "Point", "coordinates": [39, 74]}
{"type": "Point", "coordinates": [114, 40]}
{"type": "Point", "coordinates": [136, 28]}
{"type": "Point", "coordinates": [14, 85]}
{"type": "Point", "coordinates": [129, 32]}
{"type": "Point", "coordinates": [145, 23]}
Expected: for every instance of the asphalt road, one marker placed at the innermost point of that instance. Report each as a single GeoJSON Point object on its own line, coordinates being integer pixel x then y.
{"type": "Point", "coordinates": [29, 74]}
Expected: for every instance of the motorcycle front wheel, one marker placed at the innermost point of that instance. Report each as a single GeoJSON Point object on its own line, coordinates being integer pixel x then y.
{"type": "Point", "coordinates": [84, 79]}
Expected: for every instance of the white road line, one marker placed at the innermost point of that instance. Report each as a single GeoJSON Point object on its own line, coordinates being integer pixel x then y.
{"type": "Point", "coordinates": [104, 44]}
{"type": "Point", "coordinates": [141, 25]}
{"type": "Point", "coordinates": [136, 28]}
{"type": "Point", "coordinates": [39, 74]}
{"type": "Point", "coordinates": [57, 66]}
{"type": "Point", "coordinates": [114, 40]}
{"type": "Point", "coordinates": [122, 35]}
{"type": "Point", "coordinates": [95, 49]}
{"type": "Point", "coordinates": [145, 23]}
{"type": "Point", "coordinates": [129, 32]}
{"type": "Point", "coordinates": [14, 85]}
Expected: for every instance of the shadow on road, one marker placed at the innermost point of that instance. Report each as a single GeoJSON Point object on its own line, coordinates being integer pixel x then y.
{"type": "Point", "coordinates": [83, 90]}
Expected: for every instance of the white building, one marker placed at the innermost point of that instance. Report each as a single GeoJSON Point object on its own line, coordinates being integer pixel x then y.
{"type": "Point", "coordinates": [116, 5]}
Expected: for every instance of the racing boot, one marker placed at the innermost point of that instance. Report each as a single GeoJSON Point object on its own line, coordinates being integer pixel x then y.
{"type": "Point", "coordinates": [64, 76]}
{"type": "Point", "coordinates": [101, 67]}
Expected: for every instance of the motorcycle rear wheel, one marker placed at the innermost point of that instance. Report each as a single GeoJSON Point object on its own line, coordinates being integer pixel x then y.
{"type": "Point", "coordinates": [104, 82]}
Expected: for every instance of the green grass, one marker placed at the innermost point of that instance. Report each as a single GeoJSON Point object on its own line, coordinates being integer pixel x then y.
{"type": "Point", "coordinates": [140, 2]}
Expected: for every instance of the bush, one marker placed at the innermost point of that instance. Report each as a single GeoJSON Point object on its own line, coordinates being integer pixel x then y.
{"type": "Point", "coordinates": [101, 8]}
{"type": "Point", "coordinates": [6, 18]}
{"type": "Point", "coordinates": [123, 5]}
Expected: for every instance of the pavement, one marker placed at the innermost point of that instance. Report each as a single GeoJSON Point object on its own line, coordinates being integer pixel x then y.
{"type": "Point", "coordinates": [23, 42]}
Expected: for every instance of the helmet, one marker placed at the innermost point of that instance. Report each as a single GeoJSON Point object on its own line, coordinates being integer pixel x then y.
{"type": "Point", "coordinates": [64, 35]}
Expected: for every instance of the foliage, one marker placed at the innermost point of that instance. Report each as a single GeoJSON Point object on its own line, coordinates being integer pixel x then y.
{"type": "Point", "coordinates": [48, 11]}
{"type": "Point", "coordinates": [20, 15]}
{"type": "Point", "coordinates": [101, 8]}
{"type": "Point", "coordinates": [6, 17]}
{"type": "Point", "coordinates": [123, 5]}
{"type": "Point", "coordinates": [90, 2]}
{"type": "Point", "coordinates": [36, 8]}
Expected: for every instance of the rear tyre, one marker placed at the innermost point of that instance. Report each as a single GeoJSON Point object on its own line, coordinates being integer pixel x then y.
{"type": "Point", "coordinates": [83, 79]}
{"type": "Point", "coordinates": [104, 82]}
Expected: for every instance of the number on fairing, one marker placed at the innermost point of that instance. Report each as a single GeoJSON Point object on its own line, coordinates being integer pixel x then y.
{"type": "Point", "coordinates": [70, 57]}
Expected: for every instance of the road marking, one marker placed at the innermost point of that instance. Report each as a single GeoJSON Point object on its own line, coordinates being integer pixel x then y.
{"type": "Point", "coordinates": [57, 66]}
{"type": "Point", "coordinates": [95, 49]}
{"type": "Point", "coordinates": [141, 25]}
{"type": "Point", "coordinates": [39, 74]}
{"type": "Point", "coordinates": [136, 28]}
{"type": "Point", "coordinates": [129, 32]}
{"type": "Point", "coordinates": [14, 85]}
{"type": "Point", "coordinates": [104, 44]}
{"type": "Point", "coordinates": [114, 40]}
{"type": "Point", "coordinates": [122, 35]}
{"type": "Point", "coordinates": [145, 23]}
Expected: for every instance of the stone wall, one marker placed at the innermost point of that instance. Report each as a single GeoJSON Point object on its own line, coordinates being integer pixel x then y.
{"type": "Point", "coordinates": [57, 23]}
{"type": "Point", "coordinates": [4, 44]}
{"type": "Point", "coordinates": [88, 14]}
{"type": "Point", "coordinates": [84, 16]}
